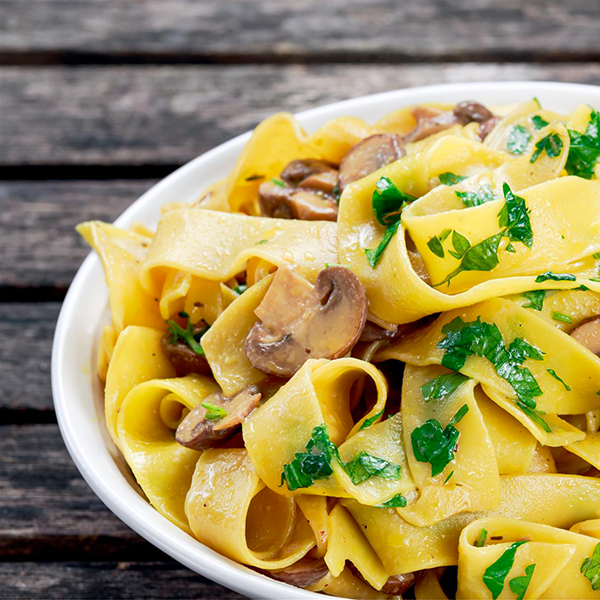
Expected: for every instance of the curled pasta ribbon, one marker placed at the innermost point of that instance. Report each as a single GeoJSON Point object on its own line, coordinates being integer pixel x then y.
{"type": "Point", "coordinates": [215, 246]}
{"type": "Point", "coordinates": [577, 367]}
{"type": "Point", "coordinates": [138, 356]}
{"type": "Point", "coordinates": [122, 253]}
{"type": "Point", "coordinates": [230, 510]}
{"type": "Point", "coordinates": [557, 500]}
{"type": "Point", "coordinates": [471, 482]}
{"type": "Point", "coordinates": [146, 425]}
{"type": "Point", "coordinates": [557, 555]}
{"type": "Point", "coordinates": [318, 394]}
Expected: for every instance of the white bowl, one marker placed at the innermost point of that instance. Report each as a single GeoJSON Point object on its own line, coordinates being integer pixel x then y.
{"type": "Point", "coordinates": [77, 394]}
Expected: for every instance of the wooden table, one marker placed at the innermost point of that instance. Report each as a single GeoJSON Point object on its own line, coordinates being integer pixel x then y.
{"type": "Point", "coordinates": [99, 99]}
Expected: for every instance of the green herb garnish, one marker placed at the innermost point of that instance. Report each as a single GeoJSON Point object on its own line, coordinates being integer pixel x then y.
{"type": "Point", "coordinates": [432, 444]}
{"type": "Point", "coordinates": [496, 573]}
{"type": "Point", "coordinates": [590, 567]}
{"type": "Point", "coordinates": [515, 217]}
{"type": "Point", "coordinates": [561, 318]}
{"type": "Point", "coordinates": [481, 538]}
{"type": "Point", "coordinates": [539, 122]}
{"type": "Point", "coordinates": [278, 182]}
{"type": "Point", "coordinates": [435, 245]}
{"type": "Point", "coordinates": [471, 199]}
{"type": "Point", "coordinates": [374, 254]}
{"type": "Point", "coordinates": [553, 373]}
{"type": "Point", "coordinates": [460, 243]}
{"type": "Point", "coordinates": [449, 477]}
{"type": "Point", "coordinates": [519, 585]}
{"type": "Point", "coordinates": [395, 501]}
{"type": "Point", "coordinates": [368, 422]}
{"type": "Point", "coordinates": [518, 139]}
{"type": "Point", "coordinates": [536, 299]}
{"type": "Point", "coordinates": [535, 416]}
{"type": "Point", "coordinates": [550, 276]}
{"type": "Point", "coordinates": [240, 289]}
{"type": "Point", "coordinates": [187, 335]}
{"type": "Point", "coordinates": [442, 386]}
{"type": "Point", "coordinates": [584, 151]}
{"type": "Point", "coordinates": [451, 178]}
{"type": "Point", "coordinates": [551, 144]}
{"type": "Point", "coordinates": [213, 412]}
{"type": "Point", "coordinates": [364, 466]}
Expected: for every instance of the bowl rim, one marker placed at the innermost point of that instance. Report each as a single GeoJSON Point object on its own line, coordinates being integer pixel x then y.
{"type": "Point", "coordinates": [133, 510]}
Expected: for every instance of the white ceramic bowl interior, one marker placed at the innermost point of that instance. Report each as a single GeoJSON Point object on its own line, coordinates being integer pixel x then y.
{"type": "Point", "coordinates": [77, 393]}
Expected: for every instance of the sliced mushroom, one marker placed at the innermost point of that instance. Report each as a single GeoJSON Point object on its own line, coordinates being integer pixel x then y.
{"type": "Point", "coordinates": [199, 433]}
{"type": "Point", "coordinates": [295, 203]}
{"type": "Point", "coordinates": [486, 127]}
{"type": "Point", "coordinates": [325, 183]}
{"type": "Point", "coordinates": [298, 170]}
{"type": "Point", "coordinates": [299, 321]}
{"type": "Point", "coordinates": [429, 122]}
{"type": "Point", "coordinates": [588, 335]}
{"type": "Point", "coordinates": [396, 585]}
{"type": "Point", "coordinates": [183, 358]}
{"type": "Point", "coordinates": [469, 111]}
{"type": "Point", "coordinates": [305, 572]}
{"type": "Point", "coordinates": [370, 154]}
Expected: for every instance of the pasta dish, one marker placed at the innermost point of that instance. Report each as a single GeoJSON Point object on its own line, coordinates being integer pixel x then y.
{"type": "Point", "coordinates": [367, 362]}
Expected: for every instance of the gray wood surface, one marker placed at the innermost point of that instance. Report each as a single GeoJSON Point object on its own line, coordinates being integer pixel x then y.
{"type": "Point", "coordinates": [213, 30]}
{"type": "Point", "coordinates": [168, 115]}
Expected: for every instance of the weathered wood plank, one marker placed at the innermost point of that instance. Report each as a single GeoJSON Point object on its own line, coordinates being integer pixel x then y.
{"type": "Point", "coordinates": [168, 115]}
{"type": "Point", "coordinates": [38, 243]}
{"type": "Point", "coordinates": [114, 580]}
{"type": "Point", "coordinates": [337, 29]}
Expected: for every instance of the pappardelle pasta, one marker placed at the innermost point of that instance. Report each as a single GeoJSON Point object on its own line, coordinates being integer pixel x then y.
{"type": "Point", "coordinates": [367, 363]}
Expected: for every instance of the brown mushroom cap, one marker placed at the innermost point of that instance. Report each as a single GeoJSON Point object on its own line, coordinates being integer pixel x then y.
{"type": "Point", "coordinates": [298, 170]}
{"type": "Point", "coordinates": [199, 433]}
{"type": "Point", "coordinates": [305, 572]}
{"type": "Point", "coordinates": [469, 111]}
{"type": "Point", "coordinates": [325, 183]}
{"type": "Point", "coordinates": [588, 335]}
{"type": "Point", "coordinates": [486, 127]}
{"type": "Point", "coordinates": [299, 321]}
{"type": "Point", "coordinates": [183, 358]}
{"type": "Point", "coordinates": [295, 203]}
{"type": "Point", "coordinates": [430, 121]}
{"type": "Point", "coordinates": [396, 585]}
{"type": "Point", "coordinates": [368, 155]}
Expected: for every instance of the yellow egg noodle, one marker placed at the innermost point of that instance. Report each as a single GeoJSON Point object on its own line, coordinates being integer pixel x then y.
{"type": "Point", "coordinates": [367, 362]}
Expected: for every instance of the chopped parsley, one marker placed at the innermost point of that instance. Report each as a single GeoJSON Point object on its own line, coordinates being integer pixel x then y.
{"type": "Point", "coordinates": [388, 203]}
{"type": "Point", "coordinates": [515, 217]}
{"type": "Point", "coordinates": [435, 245]}
{"type": "Point", "coordinates": [315, 463]}
{"type": "Point", "coordinates": [450, 178]}
{"type": "Point", "coordinates": [187, 335]}
{"type": "Point", "coordinates": [553, 373]}
{"type": "Point", "coordinates": [483, 195]}
{"type": "Point", "coordinates": [552, 144]}
{"type": "Point", "coordinates": [536, 299]}
{"type": "Point", "coordinates": [460, 243]}
{"type": "Point", "coordinates": [550, 276]}
{"type": "Point", "coordinates": [496, 573]}
{"type": "Point", "coordinates": [539, 122]}
{"type": "Point", "coordinates": [213, 412]}
{"type": "Point", "coordinates": [481, 538]}
{"type": "Point", "coordinates": [518, 139]}
{"type": "Point", "coordinates": [432, 444]}
{"type": "Point", "coordinates": [442, 386]}
{"type": "Point", "coordinates": [240, 289]}
{"type": "Point", "coordinates": [596, 255]}
{"type": "Point", "coordinates": [584, 151]}
{"type": "Point", "coordinates": [590, 567]}
{"type": "Point", "coordinates": [395, 501]}
{"type": "Point", "coordinates": [535, 415]}
{"type": "Point", "coordinates": [449, 477]}
{"type": "Point", "coordinates": [368, 422]}
{"type": "Point", "coordinates": [561, 318]}
{"type": "Point", "coordinates": [261, 242]}
{"type": "Point", "coordinates": [278, 182]}
{"type": "Point", "coordinates": [519, 585]}
{"type": "Point", "coordinates": [479, 338]}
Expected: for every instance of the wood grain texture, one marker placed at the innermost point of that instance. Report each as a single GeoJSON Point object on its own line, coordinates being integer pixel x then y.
{"type": "Point", "coordinates": [213, 30]}
{"type": "Point", "coordinates": [168, 115]}
{"type": "Point", "coordinates": [113, 580]}
{"type": "Point", "coordinates": [38, 242]}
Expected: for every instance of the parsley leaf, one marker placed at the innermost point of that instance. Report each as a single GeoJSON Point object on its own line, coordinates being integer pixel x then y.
{"type": "Point", "coordinates": [550, 276]}
{"type": "Point", "coordinates": [364, 466]}
{"type": "Point", "coordinates": [368, 422]}
{"type": "Point", "coordinates": [432, 444]}
{"type": "Point", "coordinates": [187, 335]}
{"type": "Point", "coordinates": [449, 477]}
{"type": "Point", "coordinates": [536, 299]}
{"type": "Point", "coordinates": [539, 122]}
{"type": "Point", "coordinates": [483, 339]}
{"type": "Point", "coordinates": [278, 182]}
{"type": "Point", "coordinates": [515, 217]}
{"type": "Point", "coordinates": [535, 416]}
{"type": "Point", "coordinates": [584, 151]}
{"type": "Point", "coordinates": [496, 573]}
{"type": "Point", "coordinates": [374, 254]}
{"type": "Point", "coordinates": [450, 178]}
{"type": "Point", "coordinates": [561, 318]}
{"type": "Point", "coordinates": [483, 195]}
{"type": "Point", "coordinates": [213, 412]}
{"type": "Point", "coordinates": [590, 567]}
{"type": "Point", "coordinates": [240, 289]}
{"type": "Point", "coordinates": [553, 373]}
{"type": "Point", "coordinates": [313, 464]}
{"type": "Point", "coordinates": [435, 245]}
{"type": "Point", "coordinates": [518, 139]}
{"type": "Point", "coordinates": [551, 144]}
{"type": "Point", "coordinates": [481, 538]}
{"type": "Point", "coordinates": [442, 386]}
{"type": "Point", "coordinates": [393, 502]}
{"type": "Point", "coordinates": [461, 245]}
{"type": "Point", "coordinates": [519, 585]}
{"type": "Point", "coordinates": [388, 201]}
